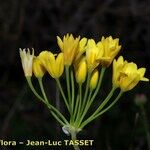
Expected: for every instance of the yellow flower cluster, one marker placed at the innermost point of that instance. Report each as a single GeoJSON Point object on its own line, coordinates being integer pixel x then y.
{"type": "Point", "coordinates": [85, 55]}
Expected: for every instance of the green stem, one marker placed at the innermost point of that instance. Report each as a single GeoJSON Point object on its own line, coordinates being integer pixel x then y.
{"type": "Point", "coordinates": [74, 138]}
{"type": "Point", "coordinates": [88, 104]}
{"type": "Point", "coordinates": [107, 108]}
{"type": "Point", "coordinates": [102, 104]}
{"type": "Point", "coordinates": [68, 83]}
{"type": "Point", "coordinates": [80, 103]}
{"type": "Point", "coordinates": [145, 123]}
{"type": "Point", "coordinates": [62, 93]}
{"type": "Point", "coordinates": [101, 112]}
{"type": "Point", "coordinates": [76, 107]}
{"type": "Point", "coordinates": [73, 95]}
{"type": "Point", "coordinates": [99, 83]}
{"type": "Point", "coordinates": [105, 101]}
{"type": "Point", "coordinates": [48, 105]}
{"type": "Point", "coordinates": [33, 89]}
{"type": "Point", "coordinates": [42, 89]}
{"type": "Point", "coordinates": [90, 100]}
{"type": "Point", "coordinates": [86, 93]}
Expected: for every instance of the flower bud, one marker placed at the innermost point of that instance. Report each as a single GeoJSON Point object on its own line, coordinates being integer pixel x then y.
{"type": "Point", "coordinates": [81, 71]}
{"type": "Point", "coordinates": [94, 79]}
{"type": "Point", "coordinates": [38, 68]}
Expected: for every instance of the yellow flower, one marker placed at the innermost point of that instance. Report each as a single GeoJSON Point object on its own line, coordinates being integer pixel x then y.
{"type": "Point", "coordinates": [94, 79]}
{"type": "Point", "coordinates": [81, 48]}
{"type": "Point", "coordinates": [81, 71]}
{"type": "Point", "coordinates": [69, 47]}
{"type": "Point", "coordinates": [127, 75]}
{"type": "Point", "coordinates": [110, 48]}
{"type": "Point", "coordinates": [54, 66]}
{"type": "Point", "coordinates": [38, 68]}
{"type": "Point", "coordinates": [27, 59]}
{"type": "Point", "coordinates": [93, 54]}
{"type": "Point", "coordinates": [117, 69]}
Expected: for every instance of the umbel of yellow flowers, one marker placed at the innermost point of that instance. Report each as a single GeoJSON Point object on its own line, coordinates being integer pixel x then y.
{"type": "Point", "coordinates": [127, 75]}
{"type": "Point", "coordinates": [84, 61]}
{"type": "Point", "coordinates": [85, 54]}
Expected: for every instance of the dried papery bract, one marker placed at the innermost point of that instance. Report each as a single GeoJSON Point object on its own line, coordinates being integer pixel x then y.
{"type": "Point", "coordinates": [27, 60]}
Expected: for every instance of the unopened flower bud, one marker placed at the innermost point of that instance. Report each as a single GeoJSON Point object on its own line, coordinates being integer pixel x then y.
{"type": "Point", "coordinates": [94, 79]}
{"type": "Point", "coordinates": [81, 71]}
{"type": "Point", "coordinates": [38, 68]}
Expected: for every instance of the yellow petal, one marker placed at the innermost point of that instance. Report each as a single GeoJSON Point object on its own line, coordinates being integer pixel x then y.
{"type": "Point", "coordinates": [60, 43]}
{"type": "Point", "coordinates": [59, 67]}
{"type": "Point", "coordinates": [38, 68]}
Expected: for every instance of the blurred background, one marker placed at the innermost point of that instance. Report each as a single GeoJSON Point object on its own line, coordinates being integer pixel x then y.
{"type": "Point", "coordinates": [36, 23]}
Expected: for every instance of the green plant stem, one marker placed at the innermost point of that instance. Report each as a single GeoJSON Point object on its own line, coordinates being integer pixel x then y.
{"type": "Point", "coordinates": [105, 101]}
{"type": "Point", "coordinates": [33, 89]}
{"type": "Point", "coordinates": [99, 83]}
{"type": "Point", "coordinates": [145, 123]}
{"type": "Point", "coordinates": [95, 115]}
{"type": "Point", "coordinates": [107, 108]}
{"type": "Point", "coordinates": [74, 138]}
{"type": "Point", "coordinates": [52, 108]}
{"type": "Point", "coordinates": [47, 102]}
{"type": "Point", "coordinates": [68, 84]}
{"type": "Point", "coordinates": [62, 93]}
{"type": "Point", "coordinates": [42, 89]}
{"type": "Point", "coordinates": [73, 95]}
{"type": "Point", "coordinates": [79, 105]}
{"type": "Point", "coordinates": [86, 93]}
{"type": "Point", "coordinates": [90, 100]}
{"type": "Point", "coordinates": [88, 104]}
{"type": "Point", "coordinates": [76, 107]}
